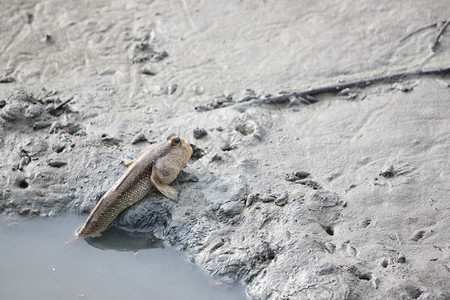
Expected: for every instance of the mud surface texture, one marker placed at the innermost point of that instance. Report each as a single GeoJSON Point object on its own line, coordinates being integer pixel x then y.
{"type": "Point", "coordinates": [338, 196]}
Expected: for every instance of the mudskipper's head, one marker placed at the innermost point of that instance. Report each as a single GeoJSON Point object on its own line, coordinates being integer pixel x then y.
{"type": "Point", "coordinates": [181, 144]}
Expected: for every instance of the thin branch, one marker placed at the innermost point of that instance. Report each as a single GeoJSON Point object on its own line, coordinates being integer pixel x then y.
{"type": "Point", "coordinates": [436, 40]}
{"type": "Point", "coordinates": [340, 86]}
{"type": "Point", "coordinates": [63, 103]}
{"type": "Point", "coordinates": [334, 88]}
{"type": "Point", "coordinates": [417, 31]}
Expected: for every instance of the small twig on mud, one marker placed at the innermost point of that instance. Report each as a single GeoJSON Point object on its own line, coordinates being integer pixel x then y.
{"type": "Point", "coordinates": [417, 31]}
{"type": "Point", "coordinates": [340, 86]}
{"type": "Point", "coordinates": [63, 103]}
{"type": "Point", "coordinates": [436, 40]}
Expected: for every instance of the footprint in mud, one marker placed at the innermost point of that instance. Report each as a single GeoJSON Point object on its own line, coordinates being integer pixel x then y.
{"type": "Point", "coordinates": [392, 171]}
{"type": "Point", "coordinates": [350, 249]}
{"type": "Point", "coordinates": [250, 128]}
{"type": "Point", "coordinates": [355, 271]}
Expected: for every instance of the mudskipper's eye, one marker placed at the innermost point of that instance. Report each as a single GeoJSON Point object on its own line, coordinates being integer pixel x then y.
{"type": "Point", "coordinates": [176, 140]}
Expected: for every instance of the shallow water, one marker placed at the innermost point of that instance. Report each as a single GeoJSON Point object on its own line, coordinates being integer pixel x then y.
{"type": "Point", "coordinates": [38, 260]}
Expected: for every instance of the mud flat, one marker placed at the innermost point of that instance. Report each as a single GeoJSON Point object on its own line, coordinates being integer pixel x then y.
{"type": "Point", "coordinates": [340, 195]}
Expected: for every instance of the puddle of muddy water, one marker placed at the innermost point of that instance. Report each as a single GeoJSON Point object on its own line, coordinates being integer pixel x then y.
{"type": "Point", "coordinates": [37, 261]}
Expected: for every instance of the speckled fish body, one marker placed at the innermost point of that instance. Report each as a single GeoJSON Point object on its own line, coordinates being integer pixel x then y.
{"type": "Point", "coordinates": [156, 166]}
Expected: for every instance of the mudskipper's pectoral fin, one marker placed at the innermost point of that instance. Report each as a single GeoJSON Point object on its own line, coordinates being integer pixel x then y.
{"type": "Point", "coordinates": [128, 162]}
{"type": "Point", "coordinates": [165, 189]}
{"type": "Point", "coordinates": [94, 235]}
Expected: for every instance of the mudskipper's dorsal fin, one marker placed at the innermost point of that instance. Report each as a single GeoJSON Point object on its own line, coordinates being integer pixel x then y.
{"type": "Point", "coordinates": [122, 179]}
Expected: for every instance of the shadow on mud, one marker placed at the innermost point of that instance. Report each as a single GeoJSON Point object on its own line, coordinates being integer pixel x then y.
{"type": "Point", "coordinates": [122, 240]}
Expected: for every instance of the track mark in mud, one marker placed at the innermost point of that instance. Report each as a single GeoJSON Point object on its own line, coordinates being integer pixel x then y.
{"type": "Point", "coordinates": [369, 118]}
{"type": "Point", "coordinates": [245, 129]}
{"type": "Point", "coordinates": [365, 276]}
{"type": "Point", "coordinates": [261, 30]}
{"type": "Point", "coordinates": [14, 36]}
{"type": "Point", "coordinates": [250, 128]}
{"type": "Point", "coordinates": [353, 251]}
{"type": "Point", "coordinates": [350, 249]}
{"type": "Point", "coordinates": [197, 152]}
{"type": "Point", "coordinates": [418, 235]}
{"type": "Point", "coordinates": [310, 183]}
{"type": "Point", "coordinates": [328, 229]}
{"type": "Point", "coordinates": [366, 223]}
{"type": "Point", "coordinates": [413, 292]}
{"type": "Point", "coordinates": [392, 171]}
{"type": "Point", "coordinates": [189, 16]}
{"type": "Point", "coordinates": [22, 183]}
{"type": "Point", "coordinates": [360, 275]}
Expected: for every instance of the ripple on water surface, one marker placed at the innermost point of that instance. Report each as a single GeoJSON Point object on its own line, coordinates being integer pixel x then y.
{"type": "Point", "coordinates": [38, 261]}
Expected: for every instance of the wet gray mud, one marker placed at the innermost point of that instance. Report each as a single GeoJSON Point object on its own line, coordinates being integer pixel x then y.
{"type": "Point", "coordinates": [337, 196]}
{"type": "Point", "coordinates": [41, 261]}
